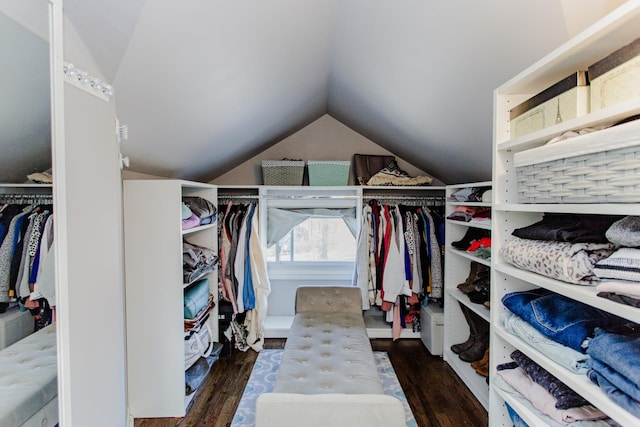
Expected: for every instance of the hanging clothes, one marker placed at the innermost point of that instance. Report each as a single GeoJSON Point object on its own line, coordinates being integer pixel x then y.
{"type": "Point", "coordinates": [243, 277]}
{"type": "Point", "coordinates": [399, 259]}
{"type": "Point", "coordinates": [27, 260]}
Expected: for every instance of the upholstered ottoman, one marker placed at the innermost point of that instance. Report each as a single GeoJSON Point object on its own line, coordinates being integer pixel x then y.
{"type": "Point", "coordinates": [328, 375]}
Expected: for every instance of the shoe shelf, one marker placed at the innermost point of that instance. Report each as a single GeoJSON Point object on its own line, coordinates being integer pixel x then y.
{"type": "Point", "coordinates": [470, 256]}
{"type": "Point", "coordinates": [465, 321]}
{"type": "Point", "coordinates": [463, 298]}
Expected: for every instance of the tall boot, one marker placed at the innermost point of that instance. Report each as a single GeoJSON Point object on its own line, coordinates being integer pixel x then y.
{"type": "Point", "coordinates": [481, 343]}
{"type": "Point", "coordinates": [467, 285]}
{"type": "Point", "coordinates": [459, 348]}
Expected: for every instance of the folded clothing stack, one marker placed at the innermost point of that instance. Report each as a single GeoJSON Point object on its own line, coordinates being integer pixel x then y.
{"type": "Point", "coordinates": [615, 365]}
{"type": "Point", "coordinates": [197, 211]}
{"type": "Point", "coordinates": [619, 274]}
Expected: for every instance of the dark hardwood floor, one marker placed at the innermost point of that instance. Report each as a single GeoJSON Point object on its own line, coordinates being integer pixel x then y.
{"type": "Point", "coordinates": [436, 395]}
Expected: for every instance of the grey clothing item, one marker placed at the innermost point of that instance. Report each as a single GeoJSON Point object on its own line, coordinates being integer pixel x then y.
{"type": "Point", "coordinates": [625, 232]}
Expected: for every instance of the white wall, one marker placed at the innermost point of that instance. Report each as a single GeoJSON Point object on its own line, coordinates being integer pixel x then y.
{"type": "Point", "coordinates": [578, 17]}
{"type": "Point", "coordinates": [91, 344]}
{"type": "Point", "coordinates": [324, 139]}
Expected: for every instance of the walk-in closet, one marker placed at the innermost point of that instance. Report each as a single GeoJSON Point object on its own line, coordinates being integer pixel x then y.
{"type": "Point", "coordinates": [307, 213]}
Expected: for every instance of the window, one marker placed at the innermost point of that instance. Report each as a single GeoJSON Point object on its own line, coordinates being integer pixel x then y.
{"type": "Point", "coordinates": [310, 232]}
{"type": "Point", "coordinates": [315, 240]}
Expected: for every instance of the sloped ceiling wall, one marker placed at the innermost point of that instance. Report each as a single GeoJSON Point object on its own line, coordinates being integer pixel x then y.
{"type": "Point", "coordinates": [207, 84]}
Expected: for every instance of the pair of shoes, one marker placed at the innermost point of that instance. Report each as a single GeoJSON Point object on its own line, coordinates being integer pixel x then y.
{"type": "Point", "coordinates": [481, 285]}
{"type": "Point", "coordinates": [474, 347]}
{"type": "Point", "coordinates": [467, 285]}
{"type": "Point", "coordinates": [482, 366]}
{"type": "Point", "coordinates": [478, 275]}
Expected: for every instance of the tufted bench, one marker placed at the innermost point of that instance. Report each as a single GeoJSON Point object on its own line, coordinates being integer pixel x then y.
{"type": "Point", "coordinates": [328, 375]}
{"type": "Point", "coordinates": [28, 381]}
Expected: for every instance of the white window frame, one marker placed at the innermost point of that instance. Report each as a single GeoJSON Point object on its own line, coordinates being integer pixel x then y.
{"type": "Point", "coordinates": [309, 197]}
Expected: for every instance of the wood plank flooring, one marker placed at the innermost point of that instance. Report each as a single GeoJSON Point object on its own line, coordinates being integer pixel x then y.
{"type": "Point", "coordinates": [436, 395]}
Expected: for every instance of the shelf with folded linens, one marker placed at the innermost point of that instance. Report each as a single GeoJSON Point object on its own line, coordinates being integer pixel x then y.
{"type": "Point", "coordinates": [166, 261]}
{"type": "Point", "coordinates": [584, 176]}
{"type": "Point", "coordinates": [585, 294]}
{"type": "Point", "coordinates": [567, 269]}
{"type": "Point", "coordinates": [591, 392]}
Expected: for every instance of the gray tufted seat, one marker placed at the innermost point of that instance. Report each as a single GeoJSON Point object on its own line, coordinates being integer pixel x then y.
{"type": "Point", "coordinates": [328, 374]}
{"type": "Point", "coordinates": [28, 381]}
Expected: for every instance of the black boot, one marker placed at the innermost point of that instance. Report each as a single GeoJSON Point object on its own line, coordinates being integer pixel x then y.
{"type": "Point", "coordinates": [480, 294]}
{"type": "Point", "coordinates": [471, 235]}
{"type": "Point", "coordinates": [459, 348]}
{"type": "Point", "coordinates": [481, 343]}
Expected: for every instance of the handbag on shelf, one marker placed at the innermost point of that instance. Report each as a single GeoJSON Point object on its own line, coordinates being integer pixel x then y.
{"type": "Point", "coordinates": [367, 165]}
{"type": "Point", "coordinates": [193, 324]}
{"type": "Point", "coordinates": [198, 344]}
{"type": "Point", "coordinates": [196, 298]}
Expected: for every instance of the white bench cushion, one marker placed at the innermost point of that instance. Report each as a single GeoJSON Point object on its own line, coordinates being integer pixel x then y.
{"type": "Point", "coordinates": [28, 376]}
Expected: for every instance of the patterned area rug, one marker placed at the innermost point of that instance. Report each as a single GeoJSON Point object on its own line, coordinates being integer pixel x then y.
{"type": "Point", "coordinates": [263, 377]}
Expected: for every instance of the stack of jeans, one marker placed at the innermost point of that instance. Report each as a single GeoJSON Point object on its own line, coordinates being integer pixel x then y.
{"type": "Point", "coordinates": [559, 318]}
{"type": "Point", "coordinates": [615, 365]}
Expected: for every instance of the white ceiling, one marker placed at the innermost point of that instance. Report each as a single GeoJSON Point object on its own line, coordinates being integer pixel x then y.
{"type": "Point", "coordinates": [206, 84]}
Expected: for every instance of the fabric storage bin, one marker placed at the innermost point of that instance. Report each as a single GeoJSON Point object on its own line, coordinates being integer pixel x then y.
{"type": "Point", "coordinates": [282, 172]}
{"type": "Point", "coordinates": [565, 100]}
{"type": "Point", "coordinates": [328, 172]}
{"type": "Point", "coordinates": [615, 78]}
{"type": "Point", "coordinates": [432, 328]}
{"type": "Point", "coordinates": [600, 167]}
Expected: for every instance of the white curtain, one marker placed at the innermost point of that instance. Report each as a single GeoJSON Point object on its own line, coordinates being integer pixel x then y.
{"type": "Point", "coordinates": [282, 221]}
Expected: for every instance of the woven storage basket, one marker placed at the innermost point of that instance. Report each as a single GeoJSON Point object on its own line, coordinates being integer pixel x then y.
{"type": "Point", "coordinates": [282, 172]}
{"type": "Point", "coordinates": [603, 167]}
{"type": "Point", "coordinates": [328, 172]}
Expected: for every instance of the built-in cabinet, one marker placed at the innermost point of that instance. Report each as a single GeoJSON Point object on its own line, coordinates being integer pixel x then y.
{"type": "Point", "coordinates": [154, 292]}
{"type": "Point", "coordinates": [611, 33]}
{"type": "Point", "coordinates": [457, 270]}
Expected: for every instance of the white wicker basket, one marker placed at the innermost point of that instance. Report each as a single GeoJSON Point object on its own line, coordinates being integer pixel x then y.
{"type": "Point", "coordinates": [601, 167]}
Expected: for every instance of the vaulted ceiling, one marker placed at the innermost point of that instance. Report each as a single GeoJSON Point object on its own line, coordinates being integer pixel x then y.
{"type": "Point", "coordinates": [206, 84]}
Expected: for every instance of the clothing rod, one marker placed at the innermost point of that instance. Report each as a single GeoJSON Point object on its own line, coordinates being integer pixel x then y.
{"type": "Point", "coordinates": [366, 197]}
{"type": "Point", "coordinates": [283, 197]}
{"type": "Point", "coordinates": [384, 197]}
{"type": "Point", "coordinates": [237, 196]}
{"type": "Point", "coordinates": [19, 196]}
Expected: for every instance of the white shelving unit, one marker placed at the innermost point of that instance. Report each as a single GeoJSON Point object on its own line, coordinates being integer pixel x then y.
{"type": "Point", "coordinates": [457, 265]}
{"type": "Point", "coordinates": [607, 35]}
{"type": "Point", "coordinates": [154, 292]}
